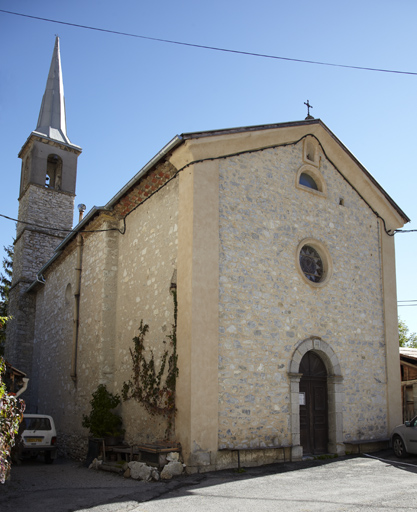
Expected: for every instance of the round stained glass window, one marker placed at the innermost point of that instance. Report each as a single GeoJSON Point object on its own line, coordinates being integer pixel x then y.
{"type": "Point", "coordinates": [311, 264]}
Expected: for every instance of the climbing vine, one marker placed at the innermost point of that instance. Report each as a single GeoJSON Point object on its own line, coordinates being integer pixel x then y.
{"type": "Point", "coordinates": [154, 388]}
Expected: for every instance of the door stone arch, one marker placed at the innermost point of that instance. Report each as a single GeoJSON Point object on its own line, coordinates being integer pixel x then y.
{"type": "Point", "coordinates": [334, 392]}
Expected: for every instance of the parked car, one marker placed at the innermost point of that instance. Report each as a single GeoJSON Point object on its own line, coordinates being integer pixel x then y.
{"type": "Point", "coordinates": [404, 438]}
{"type": "Point", "coordinates": [39, 436]}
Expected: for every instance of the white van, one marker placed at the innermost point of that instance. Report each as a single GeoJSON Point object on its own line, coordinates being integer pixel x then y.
{"type": "Point", "coordinates": [39, 436]}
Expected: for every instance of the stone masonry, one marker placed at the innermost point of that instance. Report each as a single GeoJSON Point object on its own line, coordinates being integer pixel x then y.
{"type": "Point", "coordinates": [125, 278]}
{"type": "Point", "coordinates": [222, 216]}
{"type": "Point", "coordinates": [266, 307]}
{"type": "Point", "coordinates": [41, 208]}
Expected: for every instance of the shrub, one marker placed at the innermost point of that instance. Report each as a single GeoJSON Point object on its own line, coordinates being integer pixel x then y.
{"type": "Point", "coordinates": [101, 421]}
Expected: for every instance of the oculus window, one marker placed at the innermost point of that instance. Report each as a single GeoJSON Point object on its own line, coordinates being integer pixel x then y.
{"type": "Point", "coordinates": [311, 264]}
{"type": "Point", "coordinates": [314, 262]}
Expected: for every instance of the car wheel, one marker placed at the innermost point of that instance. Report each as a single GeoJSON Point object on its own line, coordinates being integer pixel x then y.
{"type": "Point", "coordinates": [48, 458]}
{"type": "Point", "coordinates": [399, 448]}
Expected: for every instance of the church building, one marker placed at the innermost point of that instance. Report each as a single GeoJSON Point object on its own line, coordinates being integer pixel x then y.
{"type": "Point", "coordinates": [261, 258]}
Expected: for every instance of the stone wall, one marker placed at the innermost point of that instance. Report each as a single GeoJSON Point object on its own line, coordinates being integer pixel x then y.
{"type": "Point", "coordinates": [146, 268]}
{"type": "Point", "coordinates": [267, 307]}
{"type": "Point", "coordinates": [48, 208]}
{"type": "Point", "coordinates": [50, 379]}
{"type": "Point", "coordinates": [35, 244]}
{"type": "Point", "coordinates": [124, 279]}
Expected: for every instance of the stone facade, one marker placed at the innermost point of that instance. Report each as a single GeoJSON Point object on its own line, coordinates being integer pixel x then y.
{"type": "Point", "coordinates": [35, 243]}
{"type": "Point", "coordinates": [268, 315]}
{"type": "Point", "coordinates": [40, 208]}
{"type": "Point", "coordinates": [124, 279]}
{"type": "Point", "coordinates": [266, 306]}
{"type": "Point", "coordinates": [223, 217]}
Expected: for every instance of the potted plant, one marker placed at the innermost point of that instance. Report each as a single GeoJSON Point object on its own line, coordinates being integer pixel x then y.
{"type": "Point", "coordinates": [102, 422]}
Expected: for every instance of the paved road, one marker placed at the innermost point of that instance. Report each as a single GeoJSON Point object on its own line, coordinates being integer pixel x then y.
{"type": "Point", "coordinates": [351, 484]}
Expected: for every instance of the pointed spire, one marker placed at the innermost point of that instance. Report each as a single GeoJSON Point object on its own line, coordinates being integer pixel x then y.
{"type": "Point", "coordinates": [52, 122]}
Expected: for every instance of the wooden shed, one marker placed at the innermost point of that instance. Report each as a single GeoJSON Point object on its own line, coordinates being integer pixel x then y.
{"type": "Point", "coordinates": [408, 361]}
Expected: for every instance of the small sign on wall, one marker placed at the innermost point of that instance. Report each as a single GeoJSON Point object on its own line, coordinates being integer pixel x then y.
{"type": "Point", "coordinates": [302, 398]}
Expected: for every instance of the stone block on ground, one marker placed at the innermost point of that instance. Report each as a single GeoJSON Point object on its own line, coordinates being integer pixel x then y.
{"type": "Point", "coordinates": [173, 468]}
{"type": "Point", "coordinates": [140, 471]}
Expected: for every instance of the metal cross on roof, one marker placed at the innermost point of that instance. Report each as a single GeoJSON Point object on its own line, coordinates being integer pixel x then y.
{"type": "Point", "coordinates": [308, 110]}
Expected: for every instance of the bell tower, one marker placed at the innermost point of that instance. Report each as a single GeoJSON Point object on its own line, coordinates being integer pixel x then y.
{"type": "Point", "coordinates": [46, 209]}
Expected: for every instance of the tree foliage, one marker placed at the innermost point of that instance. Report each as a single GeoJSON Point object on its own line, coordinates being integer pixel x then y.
{"type": "Point", "coordinates": [5, 283]}
{"type": "Point", "coordinates": [407, 339]}
{"type": "Point", "coordinates": [11, 415]}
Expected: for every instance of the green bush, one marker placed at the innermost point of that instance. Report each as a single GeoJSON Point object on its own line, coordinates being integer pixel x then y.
{"type": "Point", "coordinates": [101, 421]}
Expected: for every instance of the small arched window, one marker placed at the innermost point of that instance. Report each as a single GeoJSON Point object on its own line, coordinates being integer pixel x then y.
{"type": "Point", "coordinates": [53, 172]}
{"type": "Point", "coordinates": [308, 181]}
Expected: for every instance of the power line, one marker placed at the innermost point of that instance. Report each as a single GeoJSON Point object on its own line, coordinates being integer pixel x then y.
{"type": "Point", "coordinates": [214, 48]}
{"type": "Point", "coordinates": [49, 228]}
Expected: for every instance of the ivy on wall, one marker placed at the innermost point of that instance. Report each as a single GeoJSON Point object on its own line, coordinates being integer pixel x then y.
{"type": "Point", "coordinates": [154, 388]}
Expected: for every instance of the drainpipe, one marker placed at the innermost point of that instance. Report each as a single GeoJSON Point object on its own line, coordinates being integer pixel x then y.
{"type": "Point", "coordinates": [23, 388]}
{"type": "Point", "coordinates": [76, 324]}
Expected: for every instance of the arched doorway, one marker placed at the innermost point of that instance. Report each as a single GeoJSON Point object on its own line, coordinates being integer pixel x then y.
{"type": "Point", "coordinates": [314, 410]}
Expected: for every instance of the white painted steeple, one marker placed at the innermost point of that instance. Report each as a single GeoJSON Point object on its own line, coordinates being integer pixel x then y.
{"type": "Point", "coordinates": [52, 121]}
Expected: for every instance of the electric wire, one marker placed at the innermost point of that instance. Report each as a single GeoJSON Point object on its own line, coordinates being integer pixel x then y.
{"type": "Point", "coordinates": [404, 305]}
{"type": "Point", "coordinates": [50, 228]}
{"type": "Point", "coordinates": [213, 48]}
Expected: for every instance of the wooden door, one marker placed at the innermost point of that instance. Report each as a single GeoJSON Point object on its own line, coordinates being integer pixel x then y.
{"type": "Point", "coordinates": [314, 434]}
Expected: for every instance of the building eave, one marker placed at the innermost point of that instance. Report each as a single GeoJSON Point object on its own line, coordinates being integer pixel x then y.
{"type": "Point", "coordinates": [367, 173]}
{"type": "Point", "coordinates": [242, 129]}
{"type": "Point", "coordinates": [59, 249]}
{"type": "Point", "coordinates": [306, 122]}
{"type": "Point", "coordinates": [41, 136]}
{"type": "Point", "coordinates": [192, 136]}
{"type": "Point", "coordinates": [108, 207]}
{"type": "Point", "coordinates": [172, 144]}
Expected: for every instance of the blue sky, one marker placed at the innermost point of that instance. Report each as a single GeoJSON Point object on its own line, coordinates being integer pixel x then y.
{"type": "Point", "coordinates": [126, 97]}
